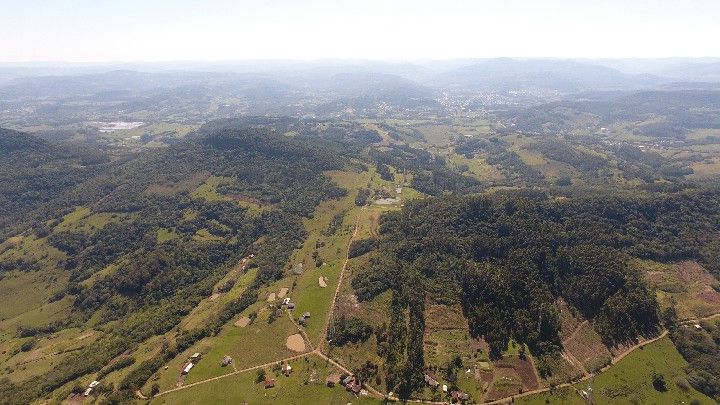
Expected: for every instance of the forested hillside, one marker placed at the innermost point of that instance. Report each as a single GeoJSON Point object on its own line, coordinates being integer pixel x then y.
{"type": "Point", "coordinates": [147, 247]}
{"type": "Point", "coordinates": [508, 258]}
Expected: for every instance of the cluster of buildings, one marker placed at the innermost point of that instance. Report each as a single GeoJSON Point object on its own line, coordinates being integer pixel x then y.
{"type": "Point", "coordinates": [351, 384]}
{"type": "Point", "coordinates": [191, 363]}
{"type": "Point", "coordinates": [457, 396]}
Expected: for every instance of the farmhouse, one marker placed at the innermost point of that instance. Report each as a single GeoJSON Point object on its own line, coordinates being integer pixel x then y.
{"type": "Point", "coordinates": [354, 387]}
{"type": "Point", "coordinates": [430, 379]}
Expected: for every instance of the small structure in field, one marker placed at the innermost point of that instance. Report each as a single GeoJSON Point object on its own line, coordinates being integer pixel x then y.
{"type": "Point", "coordinates": [195, 357]}
{"type": "Point", "coordinates": [354, 387]}
{"type": "Point", "coordinates": [269, 383]}
{"type": "Point", "coordinates": [347, 380]}
{"type": "Point", "coordinates": [332, 380]}
{"type": "Point", "coordinates": [87, 392]}
{"type": "Point", "coordinates": [431, 379]}
{"type": "Point", "coordinates": [459, 396]}
{"type": "Point", "coordinates": [286, 369]}
{"type": "Point", "coordinates": [226, 361]}
{"type": "Point", "coordinates": [187, 368]}
{"type": "Point", "coordinates": [444, 388]}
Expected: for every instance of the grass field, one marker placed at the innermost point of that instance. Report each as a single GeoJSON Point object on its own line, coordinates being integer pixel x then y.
{"type": "Point", "coordinates": [630, 381]}
{"type": "Point", "coordinates": [305, 385]}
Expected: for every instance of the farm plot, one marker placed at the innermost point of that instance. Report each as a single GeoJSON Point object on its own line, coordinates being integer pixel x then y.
{"type": "Point", "coordinates": [587, 346]}
{"type": "Point", "coordinates": [688, 284]}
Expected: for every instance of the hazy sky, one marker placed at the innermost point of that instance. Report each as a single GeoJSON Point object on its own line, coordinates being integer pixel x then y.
{"type": "Point", "coordinates": [153, 30]}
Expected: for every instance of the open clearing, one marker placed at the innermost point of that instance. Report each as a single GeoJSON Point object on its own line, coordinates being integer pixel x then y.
{"type": "Point", "coordinates": [295, 343]}
{"type": "Point", "coordinates": [242, 322]}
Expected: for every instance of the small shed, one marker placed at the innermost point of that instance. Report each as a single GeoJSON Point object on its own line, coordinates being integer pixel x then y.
{"type": "Point", "coordinates": [195, 356]}
{"type": "Point", "coordinates": [430, 379]}
{"type": "Point", "coordinates": [347, 380]}
{"type": "Point", "coordinates": [94, 384]}
{"type": "Point", "coordinates": [226, 360]}
{"type": "Point", "coordinates": [187, 368]}
{"type": "Point", "coordinates": [306, 315]}
{"type": "Point", "coordinates": [269, 383]}
{"type": "Point", "coordinates": [87, 392]}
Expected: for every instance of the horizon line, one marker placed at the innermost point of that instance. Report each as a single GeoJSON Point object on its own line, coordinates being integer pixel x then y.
{"type": "Point", "coordinates": [340, 59]}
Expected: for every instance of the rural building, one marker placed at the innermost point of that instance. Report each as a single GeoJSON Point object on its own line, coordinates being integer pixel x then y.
{"type": "Point", "coordinates": [459, 396]}
{"type": "Point", "coordinates": [354, 387]}
{"type": "Point", "coordinates": [286, 301]}
{"type": "Point", "coordinates": [286, 369]}
{"type": "Point", "coordinates": [430, 379]}
{"type": "Point", "coordinates": [444, 388]}
{"type": "Point", "coordinates": [187, 368]}
{"type": "Point", "coordinates": [94, 384]}
{"type": "Point", "coordinates": [269, 383]}
{"type": "Point", "coordinates": [347, 380]}
{"type": "Point", "coordinates": [195, 357]}
{"type": "Point", "coordinates": [87, 392]}
{"type": "Point", "coordinates": [226, 360]}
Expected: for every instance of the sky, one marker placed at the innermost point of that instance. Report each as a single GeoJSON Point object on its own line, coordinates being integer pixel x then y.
{"type": "Point", "coordinates": [222, 30]}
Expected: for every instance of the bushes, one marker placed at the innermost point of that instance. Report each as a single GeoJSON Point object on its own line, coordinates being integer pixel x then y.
{"type": "Point", "coordinates": [359, 247]}
{"type": "Point", "coordinates": [350, 330]}
{"type": "Point", "coordinates": [362, 197]}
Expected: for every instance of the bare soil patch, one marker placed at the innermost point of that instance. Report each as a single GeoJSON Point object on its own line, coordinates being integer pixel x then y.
{"type": "Point", "coordinates": [587, 346]}
{"type": "Point", "coordinates": [242, 322]}
{"type": "Point", "coordinates": [569, 321]}
{"type": "Point", "coordinates": [523, 368]}
{"type": "Point", "coordinates": [214, 296]}
{"type": "Point", "coordinates": [443, 317]}
{"type": "Point", "coordinates": [295, 343]}
{"type": "Point", "coordinates": [322, 282]}
{"type": "Point", "coordinates": [693, 272]}
{"type": "Point", "coordinates": [283, 292]}
{"type": "Point", "coordinates": [271, 297]}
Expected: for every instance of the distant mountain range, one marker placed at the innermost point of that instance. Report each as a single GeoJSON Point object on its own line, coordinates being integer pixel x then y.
{"type": "Point", "coordinates": [360, 78]}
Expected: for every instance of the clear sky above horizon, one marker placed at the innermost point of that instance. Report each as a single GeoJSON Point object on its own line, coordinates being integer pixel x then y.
{"type": "Point", "coordinates": [162, 30]}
